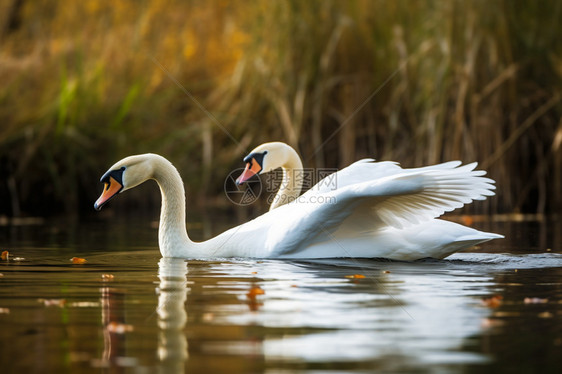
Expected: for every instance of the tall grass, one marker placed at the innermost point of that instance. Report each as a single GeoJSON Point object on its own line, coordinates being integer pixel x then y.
{"type": "Point", "coordinates": [419, 82]}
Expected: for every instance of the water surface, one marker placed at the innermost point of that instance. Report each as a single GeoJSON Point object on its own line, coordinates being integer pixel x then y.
{"type": "Point", "coordinates": [494, 308]}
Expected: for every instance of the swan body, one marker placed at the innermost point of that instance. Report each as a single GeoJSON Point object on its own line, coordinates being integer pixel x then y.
{"type": "Point", "coordinates": [391, 216]}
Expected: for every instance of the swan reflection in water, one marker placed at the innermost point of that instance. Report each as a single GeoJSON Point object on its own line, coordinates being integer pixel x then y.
{"type": "Point", "coordinates": [172, 315]}
{"type": "Point", "coordinates": [399, 314]}
{"type": "Point", "coordinates": [310, 312]}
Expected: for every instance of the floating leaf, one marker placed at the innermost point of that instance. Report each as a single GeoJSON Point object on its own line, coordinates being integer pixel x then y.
{"type": "Point", "coordinates": [253, 303]}
{"type": "Point", "coordinates": [254, 291]}
{"type": "Point", "coordinates": [5, 255]}
{"type": "Point", "coordinates": [208, 317]}
{"type": "Point", "coordinates": [53, 302]}
{"type": "Point", "coordinates": [492, 323]}
{"type": "Point", "coordinates": [492, 302]}
{"type": "Point", "coordinates": [119, 328]}
{"type": "Point", "coordinates": [535, 300]}
{"type": "Point", "coordinates": [84, 304]}
{"type": "Point", "coordinates": [355, 276]}
{"type": "Point", "coordinates": [4, 310]}
{"type": "Point", "coordinates": [78, 260]}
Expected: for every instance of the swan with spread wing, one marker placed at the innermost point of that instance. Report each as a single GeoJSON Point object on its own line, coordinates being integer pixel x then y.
{"type": "Point", "coordinates": [389, 215]}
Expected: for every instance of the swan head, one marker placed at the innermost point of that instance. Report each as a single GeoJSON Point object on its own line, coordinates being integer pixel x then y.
{"type": "Point", "coordinates": [265, 158]}
{"type": "Point", "coordinates": [126, 174]}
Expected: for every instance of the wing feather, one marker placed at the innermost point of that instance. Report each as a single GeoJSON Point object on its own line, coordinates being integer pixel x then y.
{"type": "Point", "coordinates": [409, 195]}
{"type": "Point", "coordinates": [397, 197]}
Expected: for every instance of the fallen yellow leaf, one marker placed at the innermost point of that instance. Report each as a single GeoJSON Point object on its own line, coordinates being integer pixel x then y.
{"type": "Point", "coordinates": [254, 291]}
{"type": "Point", "coordinates": [355, 276]}
{"type": "Point", "coordinates": [5, 255]}
{"type": "Point", "coordinates": [78, 260]}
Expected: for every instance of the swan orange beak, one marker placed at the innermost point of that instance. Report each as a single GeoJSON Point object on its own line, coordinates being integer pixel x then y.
{"type": "Point", "coordinates": [110, 189]}
{"type": "Point", "coordinates": [252, 168]}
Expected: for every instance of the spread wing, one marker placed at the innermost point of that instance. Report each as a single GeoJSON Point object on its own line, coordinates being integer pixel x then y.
{"type": "Point", "coordinates": [407, 197]}
{"type": "Point", "coordinates": [368, 170]}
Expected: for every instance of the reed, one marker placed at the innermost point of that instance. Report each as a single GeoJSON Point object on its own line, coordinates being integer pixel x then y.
{"type": "Point", "coordinates": [420, 81]}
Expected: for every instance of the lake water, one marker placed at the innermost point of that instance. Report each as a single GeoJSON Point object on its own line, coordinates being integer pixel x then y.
{"type": "Point", "coordinates": [497, 308]}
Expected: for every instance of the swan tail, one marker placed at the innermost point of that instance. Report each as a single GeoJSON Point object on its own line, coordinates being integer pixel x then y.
{"type": "Point", "coordinates": [464, 242]}
{"type": "Point", "coordinates": [478, 238]}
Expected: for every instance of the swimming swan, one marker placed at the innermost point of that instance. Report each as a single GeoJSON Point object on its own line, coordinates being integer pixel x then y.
{"type": "Point", "coordinates": [390, 217]}
{"type": "Point", "coordinates": [279, 155]}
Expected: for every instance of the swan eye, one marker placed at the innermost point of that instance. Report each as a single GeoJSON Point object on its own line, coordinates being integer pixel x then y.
{"type": "Point", "coordinates": [255, 157]}
{"type": "Point", "coordinates": [115, 174]}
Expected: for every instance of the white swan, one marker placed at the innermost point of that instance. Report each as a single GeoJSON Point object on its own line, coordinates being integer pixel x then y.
{"type": "Point", "coordinates": [279, 155]}
{"type": "Point", "coordinates": [364, 220]}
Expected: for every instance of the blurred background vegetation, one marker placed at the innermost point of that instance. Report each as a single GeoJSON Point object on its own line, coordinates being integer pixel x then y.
{"type": "Point", "coordinates": [84, 83]}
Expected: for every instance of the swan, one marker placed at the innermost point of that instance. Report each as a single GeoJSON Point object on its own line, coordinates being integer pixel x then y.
{"type": "Point", "coordinates": [390, 217]}
{"type": "Point", "coordinates": [279, 155]}
{"type": "Point", "coordinates": [273, 155]}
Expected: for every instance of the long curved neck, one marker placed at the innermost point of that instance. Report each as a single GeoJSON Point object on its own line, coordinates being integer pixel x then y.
{"type": "Point", "coordinates": [172, 235]}
{"type": "Point", "coordinates": [291, 185]}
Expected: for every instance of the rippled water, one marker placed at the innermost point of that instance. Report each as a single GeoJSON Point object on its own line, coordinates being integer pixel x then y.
{"type": "Point", "coordinates": [497, 308]}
